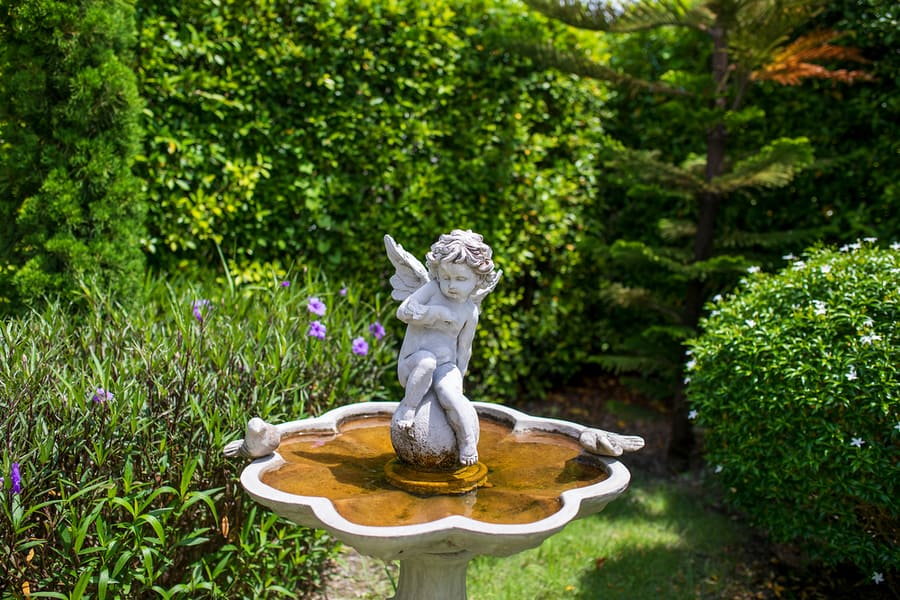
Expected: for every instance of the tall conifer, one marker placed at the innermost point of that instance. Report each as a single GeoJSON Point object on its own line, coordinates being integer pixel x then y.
{"type": "Point", "coordinates": [70, 207]}
{"type": "Point", "coordinates": [749, 41]}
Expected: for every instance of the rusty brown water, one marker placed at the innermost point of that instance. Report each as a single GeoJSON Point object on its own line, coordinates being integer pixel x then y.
{"type": "Point", "coordinates": [527, 472]}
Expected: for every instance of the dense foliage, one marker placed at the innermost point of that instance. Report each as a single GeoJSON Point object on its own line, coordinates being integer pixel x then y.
{"type": "Point", "coordinates": [114, 481]}
{"type": "Point", "coordinates": [795, 383]}
{"type": "Point", "coordinates": [70, 207]}
{"type": "Point", "coordinates": [698, 80]}
{"type": "Point", "coordinates": [301, 132]}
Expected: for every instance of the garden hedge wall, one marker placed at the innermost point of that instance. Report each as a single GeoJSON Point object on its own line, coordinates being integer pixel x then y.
{"type": "Point", "coordinates": [301, 132]}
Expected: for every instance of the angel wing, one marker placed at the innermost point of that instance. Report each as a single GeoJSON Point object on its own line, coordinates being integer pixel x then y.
{"type": "Point", "coordinates": [479, 293]}
{"type": "Point", "coordinates": [410, 274]}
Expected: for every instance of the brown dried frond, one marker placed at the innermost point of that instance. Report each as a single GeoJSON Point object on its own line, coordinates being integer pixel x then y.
{"type": "Point", "coordinates": [798, 61]}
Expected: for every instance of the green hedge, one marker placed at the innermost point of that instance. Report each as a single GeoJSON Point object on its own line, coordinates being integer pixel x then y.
{"type": "Point", "coordinates": [795, 383]}
{"type": "Point", "coordinates": [301, 132]}
{"type": "Point", "coordinates": [114, 423]}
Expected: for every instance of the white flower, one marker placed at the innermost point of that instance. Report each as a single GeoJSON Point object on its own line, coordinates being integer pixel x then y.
{"type": "Point", "coordinates": [844, 248]}
{"type": "Point", "coordinates": [717, 298]}
{"type": "Point", "coordinates": [750, 323]}
{"type": "Point", "coordinates": [877, 578]}
{"type": "Point", "coordinates": [826, 269]}
{"type": "Point", "coordinates": [690, 365]}
{"type": "Point", "coordinates": [855, 245]}
{"type": "Point", "coordinates": [868, 339]}
{"type": "Point", "coordinates": [897, 426]}
{"type": "Point", "coordinates": [693, 415]}
{"type": "Point", "coordinates": [798, 265]}
{"type": "Point", "coordinates": [789, 257]}
{"type": "Point", "coordinates": [820, 308]}
{"type": "Point", "coordinates": [753, 269]}
{"type": "Point", "coordinates": [895, 246]}
{"type": "Point", "coordinates": [868, 322]}
{"type": "Point", "coordinates": [870, 240]}
{"type": "Point", "coordinates": [851, 374]}
{"type": "Point", "coordinates": [858, 442]}
{"type": "Point", "coordinates": [718, 468]}
{"type": "Point", "coordinates": [687, 380]}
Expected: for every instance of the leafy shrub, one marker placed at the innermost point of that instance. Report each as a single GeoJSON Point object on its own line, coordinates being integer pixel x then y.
{"type": "Point", "coordinates": [796, 383]}
{"type": "Point", "coordinates": [70, 207]}
{"type": "Point", "coordinates": [115, 422]}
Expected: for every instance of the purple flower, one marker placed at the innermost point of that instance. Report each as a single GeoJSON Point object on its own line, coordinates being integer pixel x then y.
{"type": "Point", "coordinates": [377, 330]}
{"type": "Point", "coordinates": [360, 347]}
{"type": "Point", "coordinates": [101, 396]}
{"type": "Point", "coordinates": [316, 330]}
{"type": "Point", "coordinates": [316, 307]}
{"type": "Point", "coordinates": [200, 307]}
{"type": "Point", "coordinates": [285, 284]}
{"type": "Point", "coordinates": [16, 478]}
{"type": "Point", "coordinates": [343, 291]}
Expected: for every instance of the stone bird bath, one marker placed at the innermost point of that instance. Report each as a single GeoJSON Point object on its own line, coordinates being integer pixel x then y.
{"type": "Point", "coordinates": [435, 479]}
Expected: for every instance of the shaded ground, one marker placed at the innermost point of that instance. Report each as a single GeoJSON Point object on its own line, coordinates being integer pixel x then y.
{"type": "Point", "coordinates": [764, 571]}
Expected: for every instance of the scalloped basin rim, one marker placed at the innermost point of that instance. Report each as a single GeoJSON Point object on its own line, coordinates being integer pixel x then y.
{"type": "Point", "coordinates": [318, 511]}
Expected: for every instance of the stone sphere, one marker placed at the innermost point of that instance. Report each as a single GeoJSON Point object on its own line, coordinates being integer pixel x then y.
{"type": "Point", "coordinates": [430, 443]}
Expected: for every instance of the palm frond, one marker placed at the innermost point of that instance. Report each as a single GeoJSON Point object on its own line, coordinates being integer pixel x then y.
{"type": "Point", "coordinates": [725, 263]}
{"type": "Point", "coordinates": [651, 169]}
{"type": "Point", "coordinates": [758, 29]}
{"type": "Point", "coordinates": [547, 56]}
{"type": "Point", "coordinates": [794, 238]}
{"type": "Point", "coordinates": [775, 165]}
{"type": "Point", "coordinates": [799, 61]}
{"type": "Point", "coordinates": [676, 229]}
{"type": "Point", "coordinates": [638, 297]}
{"type": "Point", "coordinates": [624, 16]}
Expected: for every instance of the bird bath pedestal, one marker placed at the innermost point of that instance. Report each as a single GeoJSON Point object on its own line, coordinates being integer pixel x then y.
{"type": "Point", "coordinates": [328, 473]}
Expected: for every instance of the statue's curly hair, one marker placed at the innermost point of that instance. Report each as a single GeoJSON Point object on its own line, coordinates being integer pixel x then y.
{"type": "Point", "coordinates": [461, 246]}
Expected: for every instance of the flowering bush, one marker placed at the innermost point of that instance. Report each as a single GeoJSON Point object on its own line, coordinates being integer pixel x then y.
{"type": "Point", "coordinates": [796, 383]}
{"type": "Point", "coordinates": [113, 483]}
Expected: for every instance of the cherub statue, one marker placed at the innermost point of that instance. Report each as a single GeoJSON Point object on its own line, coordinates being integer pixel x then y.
{"type": "Point", "coordinates": [440, 306]}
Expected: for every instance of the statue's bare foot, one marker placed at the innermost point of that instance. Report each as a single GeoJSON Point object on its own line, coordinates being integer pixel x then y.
{"type": "Point", "coordinates": [405, 422]}
{"type": "Point", "coordinates": [468, 458]}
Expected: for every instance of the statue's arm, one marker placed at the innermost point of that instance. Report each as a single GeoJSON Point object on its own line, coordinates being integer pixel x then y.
{"type": "Point", "coordinates": [464, 342]}
{"type": "Point", "coordinates": [416, 310]}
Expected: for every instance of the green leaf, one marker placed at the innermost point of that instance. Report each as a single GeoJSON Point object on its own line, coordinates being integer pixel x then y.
{"type": "Point", "coordinates": [81, 585]}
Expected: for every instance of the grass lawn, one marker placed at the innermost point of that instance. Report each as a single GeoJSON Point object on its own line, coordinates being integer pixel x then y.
{"type": "Point", "coordinates": [659, 540]}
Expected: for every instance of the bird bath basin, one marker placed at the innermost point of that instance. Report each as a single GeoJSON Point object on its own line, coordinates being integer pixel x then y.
{"type": "Point", "coordinates": [328, 473]}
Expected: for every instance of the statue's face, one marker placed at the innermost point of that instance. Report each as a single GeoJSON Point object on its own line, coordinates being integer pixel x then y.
{"type": "Point", "coordinates": [457, 280]}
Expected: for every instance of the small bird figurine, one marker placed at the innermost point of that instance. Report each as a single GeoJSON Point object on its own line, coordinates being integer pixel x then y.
{"type": "Point", "coordinates": [261, 440]}
{"type": "Point", "coordinates": [606, 443]}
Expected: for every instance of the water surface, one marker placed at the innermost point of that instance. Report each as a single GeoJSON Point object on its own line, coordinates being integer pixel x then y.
{"type": "Point", "coordinates": [527, 472]}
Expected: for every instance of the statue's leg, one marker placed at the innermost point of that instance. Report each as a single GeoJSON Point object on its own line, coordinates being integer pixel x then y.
{"type": "Point", "coordinates": [416, 373]}
{"type": "Point", "coordinates": [460, 413]}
